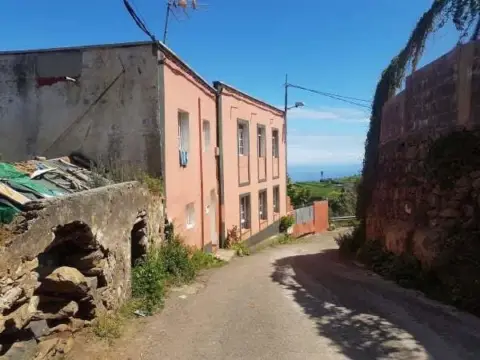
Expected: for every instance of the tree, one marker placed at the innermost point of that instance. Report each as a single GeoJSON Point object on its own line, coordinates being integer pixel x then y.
{"type": "Point", "coordinates": [298, 196]}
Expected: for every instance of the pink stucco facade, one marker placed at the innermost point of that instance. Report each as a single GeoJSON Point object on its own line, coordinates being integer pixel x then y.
{"type": "Point", "coordinates": [194, 185]}
{"type": "Point", "coordinates": [255, 170]}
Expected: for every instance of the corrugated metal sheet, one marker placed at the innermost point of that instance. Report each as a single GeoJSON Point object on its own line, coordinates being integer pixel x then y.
{"type": "Point", "coordinates": [304, 215]}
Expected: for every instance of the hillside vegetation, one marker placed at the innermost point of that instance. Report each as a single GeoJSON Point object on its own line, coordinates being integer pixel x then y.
{"type": "Point", "coordinates": [341, 194]}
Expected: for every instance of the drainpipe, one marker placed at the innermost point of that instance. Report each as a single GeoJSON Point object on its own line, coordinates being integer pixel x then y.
{"type": "Point", "coordinates": [221, 221]}
{"type": "Point", "coordinates": [286, 140]}
{"type": "Point", "coordinates": [202, 202]}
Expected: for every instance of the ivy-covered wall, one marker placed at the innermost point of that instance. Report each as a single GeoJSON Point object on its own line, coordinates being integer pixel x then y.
{"type": "Point", "coordinates": [427, 195]}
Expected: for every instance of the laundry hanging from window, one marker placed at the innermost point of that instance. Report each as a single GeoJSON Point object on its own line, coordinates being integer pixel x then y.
{"type": "Point", "coordinates": [183, 138]}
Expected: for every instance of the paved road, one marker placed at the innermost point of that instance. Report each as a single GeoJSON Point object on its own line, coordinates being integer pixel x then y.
{"type": "Point", "coordinates": [300, 302]}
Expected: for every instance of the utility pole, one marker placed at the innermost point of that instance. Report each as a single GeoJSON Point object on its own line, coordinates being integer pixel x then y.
{"type": "Point", "coordinates": [285, 134]}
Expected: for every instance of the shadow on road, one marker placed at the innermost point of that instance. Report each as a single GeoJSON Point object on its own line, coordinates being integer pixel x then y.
{"type": "Point", "coordinates": [361, 319]}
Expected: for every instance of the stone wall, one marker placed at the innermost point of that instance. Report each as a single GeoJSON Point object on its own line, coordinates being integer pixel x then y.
{"type": "Point", "coordinates": [69, 258]}
{"type": "Point", "coordinates": [428, 175]}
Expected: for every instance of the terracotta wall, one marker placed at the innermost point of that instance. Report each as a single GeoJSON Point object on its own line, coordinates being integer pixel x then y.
{"type": "Point", "coordinates": [319, 224]}
{"type": "Point", "coordinates": [183, 185]}
{"type": "Point", "coordinates": [236, 106]}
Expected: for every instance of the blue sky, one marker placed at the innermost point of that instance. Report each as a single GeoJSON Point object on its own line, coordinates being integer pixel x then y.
{"type": "Point", "coordinates": [334, 46]}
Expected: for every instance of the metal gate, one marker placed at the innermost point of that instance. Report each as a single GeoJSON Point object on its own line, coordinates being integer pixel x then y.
{"type": "Point", "coordinates": [304, 215]}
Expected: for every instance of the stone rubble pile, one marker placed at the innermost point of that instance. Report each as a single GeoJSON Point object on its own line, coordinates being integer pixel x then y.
{"type": "Point", "coordinates": [48, 298]}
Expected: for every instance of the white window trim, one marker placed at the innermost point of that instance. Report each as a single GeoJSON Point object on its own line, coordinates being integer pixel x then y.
{"type": "Point", "coordinates": [207, 140]}
{"type": "Point", "coordinates": [275, 143]}
{"type": "Point", "coordinates": [244, 212]}
{"type": "Point", "coordinates": [261, 141]}
{"type": "Point", "coordinates": [183, 131]}
{"type": "Point", "coordinates": [262, 205]}
{"type": "Point", "coordinates": [242, 129]}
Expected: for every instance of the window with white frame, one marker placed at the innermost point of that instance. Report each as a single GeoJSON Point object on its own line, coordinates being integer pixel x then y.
{"type": "Point", "coordinates": [206, 135]}
{"type": "Point", "coordinates": [275, 144]}
{"type": "Point", "coordinates": [261, 143]}
{"type": "Point", "coordinates": [276, 199]}
{"type": "Point", "coordinates": [242, 139]}
{"type": "Point", "coordinates": [190, 215]}
{"type": "Point", "coordinates": [262, 205]}
{"type": "Point", "coordinates": [245, 211]}
{"type": "Point", "coordinates": [183, 131]}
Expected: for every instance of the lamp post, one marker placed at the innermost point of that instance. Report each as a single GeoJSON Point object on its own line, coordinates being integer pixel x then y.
{"type": "Point", "coordinates": [298, 104]}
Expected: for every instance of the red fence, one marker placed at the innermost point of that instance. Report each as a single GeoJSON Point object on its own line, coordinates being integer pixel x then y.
{"type": "Point", "coordinates": [318, 224]}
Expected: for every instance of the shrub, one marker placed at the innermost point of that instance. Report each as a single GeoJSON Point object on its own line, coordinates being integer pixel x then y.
{"type": "Point", "coordinates": [108, 326]}
{"type": "Point", "coordinates": [286, 222]}
{"type": "Point", "coordinates": [233, 237]}
{"type": "Point", "coordinates": [349, 243]}
{"type": "Point", "coordinates": [241, 249]}
{"type": "Point", "coordinates": [148, 282]}
{"type": "Point", "coordinates": [175, 257]}
{"type": "Point", "coordinates": [234, 242]}
{"type": "Point", "coordinates": [285, 239]}
{"type": "Point", "coordinates": [202, 260]}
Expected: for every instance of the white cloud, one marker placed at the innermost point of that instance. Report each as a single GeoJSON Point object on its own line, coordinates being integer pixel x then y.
{"type": "Point", "coordinates": [328, 113]}
{"type": "Point", "coordinates": [324, 149]}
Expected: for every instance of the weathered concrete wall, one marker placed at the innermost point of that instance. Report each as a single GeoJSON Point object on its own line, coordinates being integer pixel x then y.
{"type": "Point", "coordinates": [71, 258]}
{"type": "Point", "coordinates": [428, 184]}
{"type": "Point", "coordinates": [107, 107]}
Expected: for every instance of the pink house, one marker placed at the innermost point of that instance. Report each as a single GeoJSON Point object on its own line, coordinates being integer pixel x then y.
{"type": "Point", "coordinates": [190, 142]}
{"type": "Point", "coordinates": [252, 164]}
{"type": "Point", "coordinates": [219, 151]}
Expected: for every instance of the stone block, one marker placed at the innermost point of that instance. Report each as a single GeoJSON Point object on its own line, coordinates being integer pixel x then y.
{"type": "Point", "coordinates": [65, 280]}
{"type": "Point", "coordinates": [39, 328]}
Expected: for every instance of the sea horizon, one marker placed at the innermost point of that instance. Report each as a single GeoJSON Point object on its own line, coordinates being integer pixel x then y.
{"type": "Point", "coordinates": [330, 171]}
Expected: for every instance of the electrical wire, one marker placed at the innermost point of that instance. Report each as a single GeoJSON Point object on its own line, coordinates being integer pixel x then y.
{"type": "Point", "coordinates": [138, 21]}
{"type": "Point", "coordinates": [347, 99]}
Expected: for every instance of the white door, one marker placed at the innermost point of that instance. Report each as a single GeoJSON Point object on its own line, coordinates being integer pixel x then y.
{"type": "Point", "coordinates": [213, 217]}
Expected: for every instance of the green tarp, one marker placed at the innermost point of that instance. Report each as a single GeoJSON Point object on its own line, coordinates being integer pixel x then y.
{"type": "Point", "coordinates": [22, 183]}
{"type": "Point", "coordinates": [10, 175]}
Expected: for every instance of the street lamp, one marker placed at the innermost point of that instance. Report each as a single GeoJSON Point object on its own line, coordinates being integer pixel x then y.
{"type": "Point", "coordinates": [298, 104]}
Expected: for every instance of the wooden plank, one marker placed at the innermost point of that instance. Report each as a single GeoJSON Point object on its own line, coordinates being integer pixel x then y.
{"type": "Point", "coordinates": [13, 195]}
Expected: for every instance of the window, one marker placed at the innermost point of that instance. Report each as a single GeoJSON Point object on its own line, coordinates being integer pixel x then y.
{"type": "Point", "coordinates": [275, 150]}
{"type": "Point", "coordinates": [190, 214]}
{"type": "Point", "coordinates": [206, 135]}
{"type": "Point", "coordinates": [242, 139]}
{"type": "Point", "coordinates": [245, 212]}
{"type": "Point", "coordinates": [183, 137]}
{"type": "Point", "coordinates": [261, 141]}
{"type": "Point", "coordinates": [262, 205]}
{"type": "Point", "coordinates": [276, 199]}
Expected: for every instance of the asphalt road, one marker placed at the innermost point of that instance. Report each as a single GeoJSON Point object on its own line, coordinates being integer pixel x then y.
{"type": "Point", "coordinates": [301, 302]}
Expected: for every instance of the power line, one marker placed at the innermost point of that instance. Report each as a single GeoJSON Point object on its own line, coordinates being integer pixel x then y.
{"type": "Point", "coordinates": [140, 23]}
{"type": "Point", "coordinates": [346, 99]}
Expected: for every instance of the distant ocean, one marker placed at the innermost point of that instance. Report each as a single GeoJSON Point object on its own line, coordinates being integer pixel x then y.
{"type": "Point", "coordinates": [313, 173]}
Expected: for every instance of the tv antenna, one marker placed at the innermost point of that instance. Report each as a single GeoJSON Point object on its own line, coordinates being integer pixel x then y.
{"type": "Point", "coordinates": [179, 8]}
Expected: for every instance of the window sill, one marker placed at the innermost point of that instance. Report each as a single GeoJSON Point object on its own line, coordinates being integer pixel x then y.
{"type": "Point", "coordinates": [190, 226]}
